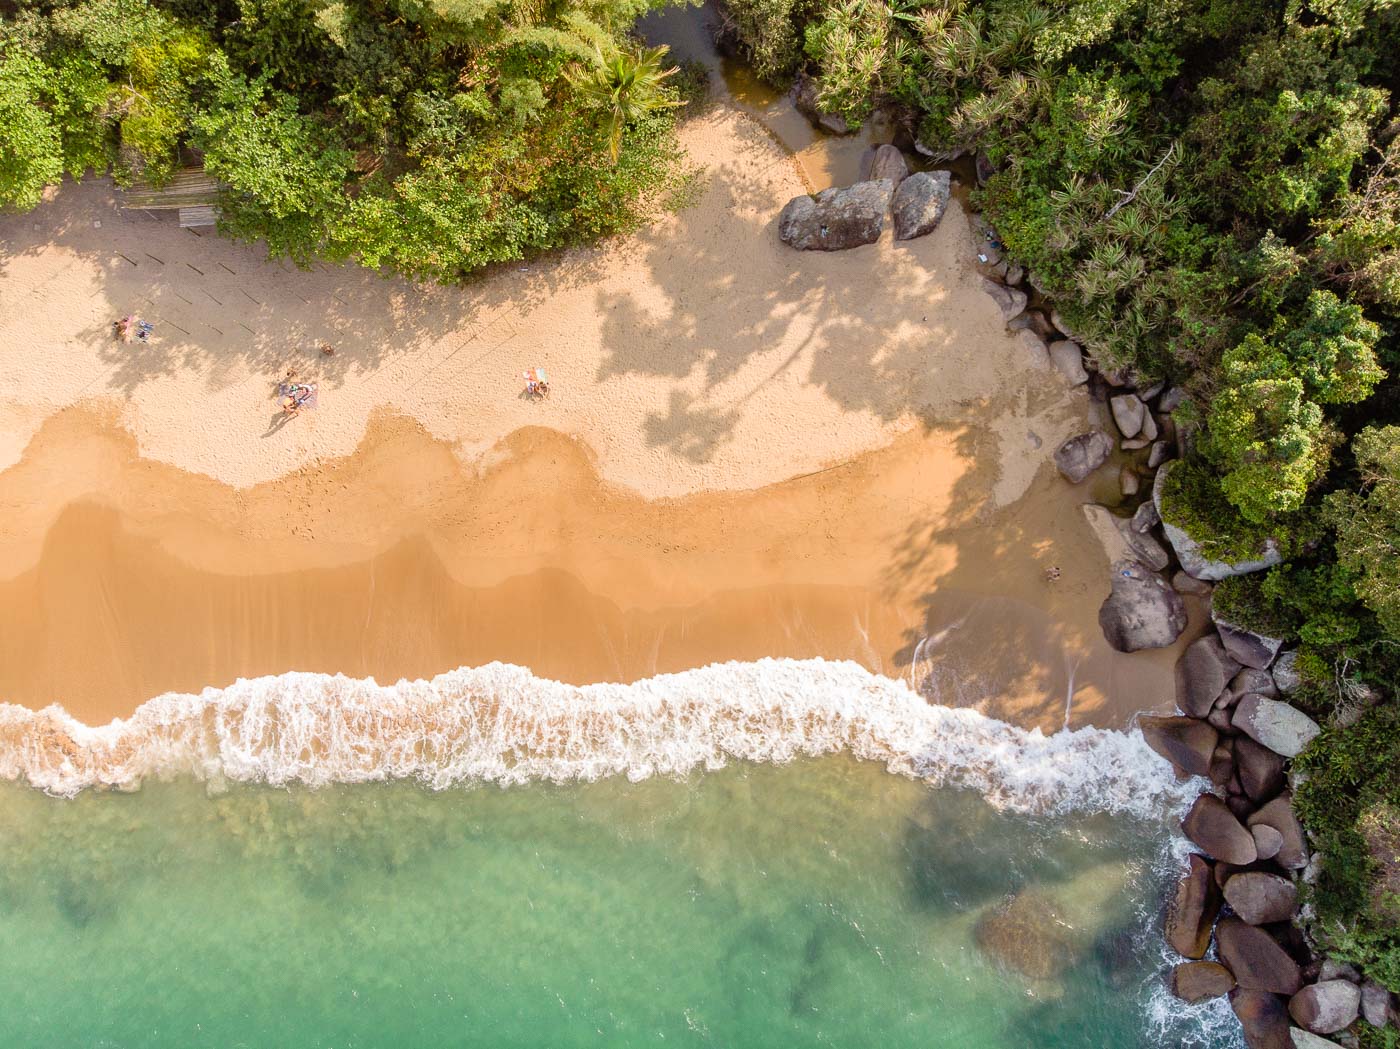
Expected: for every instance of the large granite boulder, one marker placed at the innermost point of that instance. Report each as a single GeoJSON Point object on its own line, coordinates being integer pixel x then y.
{"type": "Point", "coordinates": [1080, 456]}
{"type": "Point", "coordinates": [1293, 855]}
{"type": "Point", "coordinates": [1191, 555]}
{"type": "Point", "coordinates": [1283, 729]}
{"type": "Point", "coordinates": [1255, 958]}
{"type": "Point", "coordinates": [1327, 1007]}
{"type": "Point", "coordinates": [1212, 826]}
{"type": "Point", "coordinates": [1248, 680]}
{"type": "Point", "coordinates": [1121, 541]}
{"type": "Point", "coordinates": [1141, 610]}
{"type": "Point", "coordinates": [1264, 1018]}
{"type": "Point", "coordinates": [1261, 770]}
{"type": "Point", "coordinates": [1247, 647]}
{"type": "Point", "coordinates": [1260, 898]}
{"type": "Point", "coordinates": [1195, 982]}
{"type": "Point", "coordinates": [1202, 673]}
{"type": "Point", "coordinates": [1267, 841]}
{"type": "Point", "coordinates": [919, 204]}
{"type": "Point", "coordinates": [836, 219]}
{"type": "Point", "coordinates": [885, 162]}
{"type": "Point", "coordinates": [1128, 413]}
{"type": "Point", "coordinates": [1188, 743]}
{"type": "Point", "coordinates": [1307, 1040]}
{"type": "Point", "coordinates": [1011, 301]}
{"type": "Point", "coordinates": [1192, 910]}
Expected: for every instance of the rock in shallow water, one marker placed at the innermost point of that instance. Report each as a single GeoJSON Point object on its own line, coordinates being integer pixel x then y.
{"type": "Point", "coordinates": [1212, 826]}
{"type": "Point", "coordinates": [1080, 456]}
{"type": "Point", "coordinates": [836, 219]}
{"type": "Point", "coordinates": [1192, 909]}
{"type": "Point", "coordinates": [1255, 958]}
{"type": "Point", "coordinates": [1187, 743]}
{"type": "Point", "coordinates": [919, 204]}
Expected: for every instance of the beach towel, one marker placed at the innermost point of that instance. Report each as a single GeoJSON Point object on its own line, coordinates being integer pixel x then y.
{"type": "Point", "coordinates": [291, 389]}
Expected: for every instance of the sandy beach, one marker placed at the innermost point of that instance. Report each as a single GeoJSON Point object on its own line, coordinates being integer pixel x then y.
{"type": "Point", "coordinates": [748, 452]}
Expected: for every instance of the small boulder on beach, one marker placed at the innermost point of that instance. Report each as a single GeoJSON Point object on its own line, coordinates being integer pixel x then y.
{"type": "Point", "coordinates": [919, 203]}
{"type": "Point", "coordinates": [836, 219]}
{"type": "Point", "coordinates": [1080, 456]}
{"type": "Point", "coordinates": [1141, 610]}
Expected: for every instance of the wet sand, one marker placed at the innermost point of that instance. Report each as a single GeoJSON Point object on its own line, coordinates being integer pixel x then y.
{"type": "Point", "coordinates": [135, 578]}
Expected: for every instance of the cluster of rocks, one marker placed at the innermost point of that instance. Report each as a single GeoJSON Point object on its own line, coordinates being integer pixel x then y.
{"type": "Point", "coordinates": [849, 216]}
{"type": "Point", "coordinates": [1241, 891]}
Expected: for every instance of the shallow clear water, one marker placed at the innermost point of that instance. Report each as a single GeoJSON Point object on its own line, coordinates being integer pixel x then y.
{"type": "Point", "coordinates": [823, 902]}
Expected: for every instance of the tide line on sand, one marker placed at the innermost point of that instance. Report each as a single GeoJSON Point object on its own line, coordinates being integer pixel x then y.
{"type": "Point", "coordinates": [501, 724]}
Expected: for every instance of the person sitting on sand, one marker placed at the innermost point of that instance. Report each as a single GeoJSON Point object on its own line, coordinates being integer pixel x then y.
{"type": "Point", "coordinates": [297, 395]}
{"type": "Point", "coordinates": [536, 383]}
{"type": "Point", "coordinates": [123, 327]}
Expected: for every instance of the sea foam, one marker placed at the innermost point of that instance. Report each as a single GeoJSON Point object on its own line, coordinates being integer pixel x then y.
{"type": "Point", "coordinates": [501, 724]}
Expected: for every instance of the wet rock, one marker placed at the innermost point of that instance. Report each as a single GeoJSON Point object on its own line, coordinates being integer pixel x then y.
{"type": "Point", "coordinates": [919, 203]}
{"type": "Point", "coordinates": [1293, 855]}
{"type": "Point", "coordinates": [1249, 680]}
{"type": "Point", "coordinates": [1196, 982]}
{"type": "Point", "coordinates": [885, 162]}
{"type": "Point", "coordinates": [1267, 841]}
{"type": "Point", "coordinates": [1247, 647]}
{"type": "Point", "coordinates": [1080, 456]}
{"type": "Point", "coordinates": [1128, 413]}
{"type": "Point", "coordinates": [1326, 1008]}
{"type": "Point", "coordinates": [1142, 610]}
{"type": "Point", "coordinates": [1186, 584]}
{"type": "Point", "coordinates": [1128, 483]}
{"type": "Point", "coordinates": [836, 219]}
{"type": "Point", "coordinates": [1193, 559]}
{"type": "Point", "coordinates": [1264, 1018]}
{"type": "Point", "coordinates": [1261, 770]}
{"type": "Point", "coordinates": [1187, 743]}
{"type": "Point", "coordinates": [1068, 360]}
{"type": "Point", "coordinates": [1222, 764]}
{"type": "Point", "coordinates": [1285, 672]}
{"type": "Point", "coordinates": [1202, 673]}
{"type": "Point", "coordinates": [1375, 1004]}
{"type": "Point", "coordinates": [1307, 1040]}
{"type": "Point", "coordinates": [1011, 301]}
{"type": "Point", "coordinates": [1256, 960]}
{"type": "Point", "coordinates": [1160, 453]}
{"type": "Point", "coordinates": [1212, 826]}
{"type": "Point", "coordinates": [1192, 910]}
{"type": "Point", "coordinates": [1145, 518]}
{"type": "Point", "coordinates": [1283, 729]}
{"type": "Point", "coordinates": [1260, 898]}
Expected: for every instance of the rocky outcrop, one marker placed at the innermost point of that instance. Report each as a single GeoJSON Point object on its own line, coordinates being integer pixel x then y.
{"type": "Point", "coordinates": [1212, 826]}
{"type": "Point", "coordinates": [919, 204]}
{"type": "Point", "coordinates": [1187, 743]}
{"type": "Point", "coordinates": [1192, 910]}
{"type": "Point", "coordinates": [1260, 898]}
{"type": "Point", "coordinates": [1128, 413]}
{"type": "Point", "coordinates": [1260, 769]}
{"type": "Point", "coordinates": [1285, 672]}
{"type": "Point", "coordinates": [1142, 610]}
{"type": "Point", "coordinates": [1326, 1007]}
{"type": "Point", "coordinates": [1068, 360]}
{"type": "Point", "coordinates": [1283, 729]}
{"type": "Point", "coordinates": [1193, 559]}
{"type": "Point", "coordinates": [1264, 1018]}
{"type": "Point", "coordinates": [1080, 456]}
{"type": "Point", "coordinates": [1196, 982]}
{"type": "Point", "coordinates": [885, 162]}
{"type": "Point", "coordinates": [836, 219]}
{"type": "Point", "coordinates": [1255, 958]}
{"type": "Point", "coordinates": [1202, 673]}
{"type": "Point", "coordinates": [1278, 814]}
{"type": "Point", "coordinates": [1245, 646]}
{"type": "Point", "coordinates": [1375, 1004]}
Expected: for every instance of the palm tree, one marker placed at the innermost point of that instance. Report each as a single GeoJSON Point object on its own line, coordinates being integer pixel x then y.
{"type": "Point", "coordinates": [624, 86]}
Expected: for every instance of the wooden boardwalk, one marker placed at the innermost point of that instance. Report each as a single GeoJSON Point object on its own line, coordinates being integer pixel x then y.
{"type": "Point", "coordinates": [192, 192]}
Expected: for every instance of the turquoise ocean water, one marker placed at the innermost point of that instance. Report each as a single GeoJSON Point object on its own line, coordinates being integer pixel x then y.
{"type": "Point", "coordinates": [822, 902]}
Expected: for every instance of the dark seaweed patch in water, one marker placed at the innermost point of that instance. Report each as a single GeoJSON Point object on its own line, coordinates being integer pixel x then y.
{"type": "Point", "coordinates": [79, 902]}
{"type": "Point", "coordinates": [957, 863]}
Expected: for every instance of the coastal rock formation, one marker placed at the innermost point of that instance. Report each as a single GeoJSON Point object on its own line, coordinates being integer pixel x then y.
{"type": "Point", "coordinates": [1142, 610]}
{"type": "Point", "coordinates": [1247, 647]}
{"type": "Point", "coordinates": [1326, 1007]}
{"type": "Point", "coordinates": [1068, 360]}
{"type": "Point", "coordinates": [1267, 841]}
{"type": "Point", "coordinates": [1261, 770]}
{"type": "Point", "coordinates": [1192, 910]}
{"type": "Point", "coordinates": [1263, 1016]}
{"type": "Point", "coordinates": [1285, 672]}
{"type": "Point", "coordinates": [1011, 301]}
{"type": "Point", "coordinates": [1187, 743]}
{"type": "Point", "coordinates": [1212, 826]}
{"type": "Point", "coordinates": [1278, 814]}
{"type": "Point", "coordinates": [1128, 413]}
{"type": "Point", "coordinates": [1307, 1040]}
{"type": "Point", "coordinates": [1283, 729]}
{"type": "Point", "coordinates": [1195, 982]}
{"type": "Point", "coordinates": [919, 203]}
{"type": "Point", "coordinates": [887, 162]}
{"type": "Point", "coordinates": [1195, 563]}
{"type": "Point", "coordinates": [1202, 673]}
{"type": "Point", "coordinates": [1249, 680]}
{"type": "Point", "coordinates": [1260, 898]}
{"type": "Point", "coordinates": [1080, 456]}
{"type": "Point", "coordinates": [836, 219]}
{"type": "Point", "coordinates": [1255, 958]}
{"type": "Point", "coordinates": [1375, 1004]}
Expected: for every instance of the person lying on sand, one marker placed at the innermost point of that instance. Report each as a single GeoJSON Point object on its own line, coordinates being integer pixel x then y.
{"type": "Point", "coordinates": [297, 395]}
{"type": "Point", "coordinates": [536, 383]}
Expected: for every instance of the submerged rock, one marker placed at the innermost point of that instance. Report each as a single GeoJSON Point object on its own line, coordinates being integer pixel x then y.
{"type": "Point", "coordinates": [836, 219]}
{"type": "Point", "coordinates": [919, 203]}
{"type": "Point", "coordinates": [1142, 610]}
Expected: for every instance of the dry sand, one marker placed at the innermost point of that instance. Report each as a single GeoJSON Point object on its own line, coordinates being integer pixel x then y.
{"type": "Point", "coordinates": [749, 451]}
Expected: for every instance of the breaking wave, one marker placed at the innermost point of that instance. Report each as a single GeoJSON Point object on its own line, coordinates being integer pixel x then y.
{"type": "Point", "coordinates": [501, 724]}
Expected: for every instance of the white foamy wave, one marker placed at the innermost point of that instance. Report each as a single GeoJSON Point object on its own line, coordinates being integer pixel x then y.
{"type": "Point", "coordinates": [501, 724]}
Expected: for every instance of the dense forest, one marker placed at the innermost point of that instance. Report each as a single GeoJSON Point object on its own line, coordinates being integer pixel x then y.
{"type": "Point", "coordinates": [430, 137]}
{"type": "Point", "coordinates": [1208, 191]}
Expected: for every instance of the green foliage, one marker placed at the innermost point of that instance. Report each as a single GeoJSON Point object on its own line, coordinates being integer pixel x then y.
{"type": "Point", "coordinates": [769, 33]}
{"type": "Point", "coordinates": [31, 149]}
{"type": "Point", "coordinates": [624, 87]}
{"type": "Point", "coordinates": [1368, 524]}
{"type": "Point", "coordinates": [1193, 500]}
{"type": "Point", "coordinates": [1359, 240]}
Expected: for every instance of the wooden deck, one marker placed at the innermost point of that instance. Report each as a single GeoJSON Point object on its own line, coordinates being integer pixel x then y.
{"type": "Point", "coordinates": [190, 188]}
